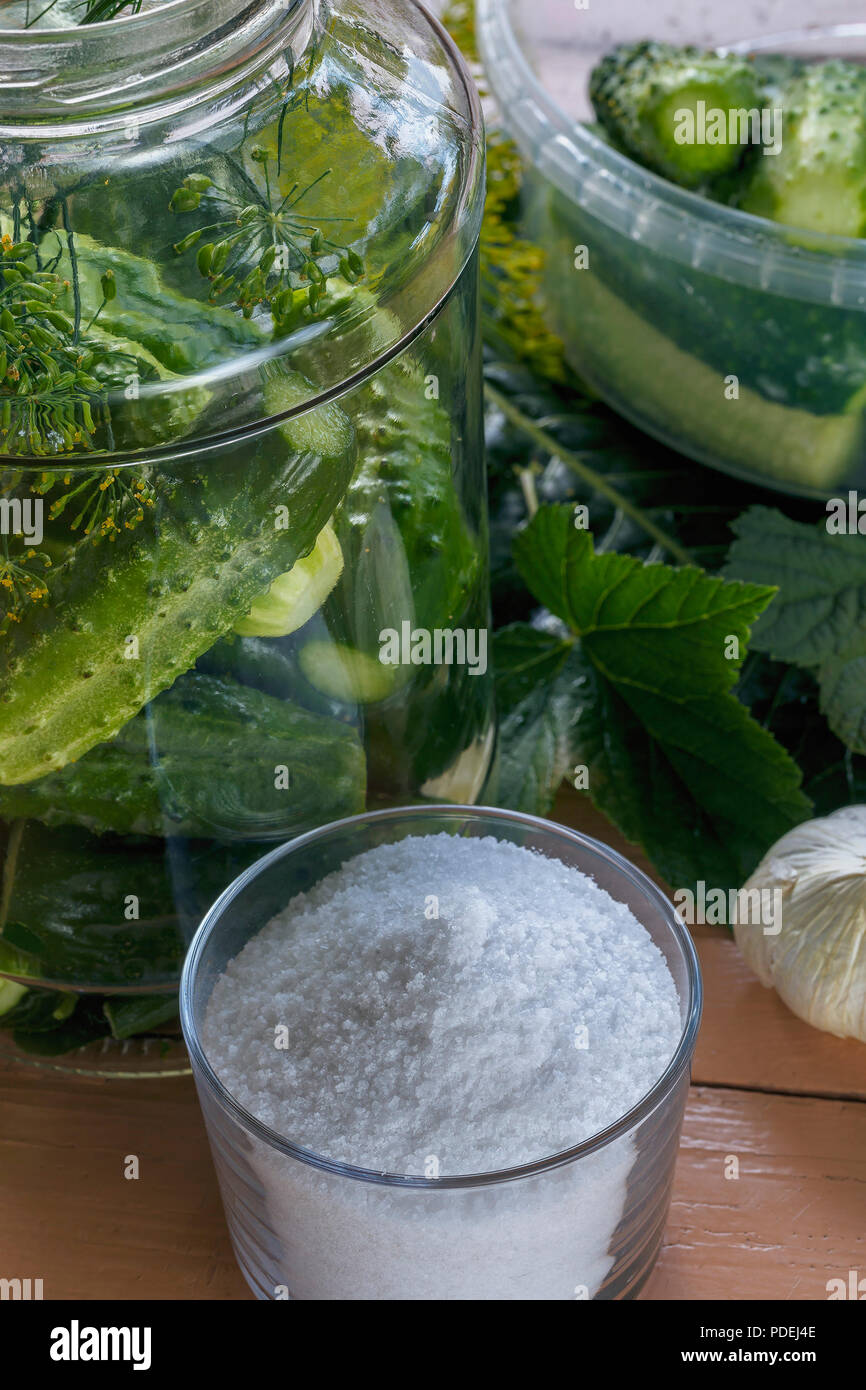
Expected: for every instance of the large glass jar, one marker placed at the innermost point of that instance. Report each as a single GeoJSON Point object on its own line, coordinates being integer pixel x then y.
{"type": "Point", "coordinates": [243, 559]}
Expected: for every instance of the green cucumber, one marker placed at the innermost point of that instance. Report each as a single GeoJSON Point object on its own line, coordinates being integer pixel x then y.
{"type": "Point", "coordinates": [266, 665]}
{"type": "Point", "coordinates": [817, 181]}
{"type": "Point", "coordinates": [202, 761]}
{"type": "Point", "coordinates": [410, 551]}
{"type": "Point", "coordinates": [157, 419]}
{"type": "Point", "coordinates": [47, 1023]}
{"type": "Point", "coordinates": [642, 93]}
{"type": "Point", "coordinates": [107, 913]}
{"type": "Point", "coordinates": [85, 1025]}
{"type": "Point", "coordinates": [461, 783]}
{"type": "Point", "coordinates": [122, 621]}
{"type": "Point", "coordinates": [185, 335]}
{"type": "Point", "coordinates": [273, 666]}
{"type": "Point", "coordinates": [39, 1010]}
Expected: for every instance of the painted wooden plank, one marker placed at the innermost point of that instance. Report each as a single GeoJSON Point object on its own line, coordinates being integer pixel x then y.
{"type": "Point", "coordinates": [793, 1219]}
{"type": "Point", "coordinates": [77, 1223]}
{"type": "Point", "coordinates": [749, 1038]}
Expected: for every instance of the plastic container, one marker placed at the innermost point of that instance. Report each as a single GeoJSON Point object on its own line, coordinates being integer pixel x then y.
{"type": "Point", "coordinates": [584, 1223]}
{"type": "Point", "coordinates": [681, 295]}
{"type": "Point", "coordinates": [240, 424]}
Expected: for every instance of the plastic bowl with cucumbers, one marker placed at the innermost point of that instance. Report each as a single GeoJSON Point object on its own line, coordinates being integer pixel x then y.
{"type": "Point", "coordinates": [713, 294]}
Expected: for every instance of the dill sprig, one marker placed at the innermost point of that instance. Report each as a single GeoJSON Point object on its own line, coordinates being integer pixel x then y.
{"type": "Point", "coordinates": [98, 503]}
{"type": "Point", "coordinates": [270, 254]}
{"type": "Point", "coordinates": [106, 501]}
{"type": "Point", "coordinates": [55, 376]}
{"type": "Point", "coordinates": [22, 581]}
{"type": "Point", "coordinates": [46, 387]}
{"type": "Point", "coordinates": [54, 389]}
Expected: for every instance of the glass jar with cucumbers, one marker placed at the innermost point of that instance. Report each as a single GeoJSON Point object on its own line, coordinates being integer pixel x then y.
{"type": "Point", "coordinates": [243, 560]}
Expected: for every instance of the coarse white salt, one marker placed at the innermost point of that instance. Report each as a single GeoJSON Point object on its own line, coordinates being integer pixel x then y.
{"type": "Point", "coordinates": [440, 1006]}
{"type": "Point", "coordinates": [459, 1000]}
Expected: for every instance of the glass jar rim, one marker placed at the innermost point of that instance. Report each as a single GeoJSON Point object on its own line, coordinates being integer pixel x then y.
{"type": "Point", "coordinates": [661, 1089]}
{"type": "Point", "coordinates": [140, 19]}
{"type": "Point", "coordinates": [69, 83]}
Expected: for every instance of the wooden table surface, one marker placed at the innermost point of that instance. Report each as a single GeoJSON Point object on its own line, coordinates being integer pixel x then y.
{"type": "Point", "coordinates": [787, 1102]}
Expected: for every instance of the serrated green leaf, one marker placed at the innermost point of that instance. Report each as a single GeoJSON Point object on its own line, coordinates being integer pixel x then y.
{"type": "Point", "coordinates": [679, 631]}
{"type": "Point", "coordinates": [535, 674]}
{"type": "Point", "coordinates": [818, 618]}
{"type": "Point", "coordinates": [843, 696]}
{"type": "Point", "coordinates": [674, 758]}
{"type": "Point", "coordinates": [661, 796]}
{"type": "Point", "coordinates": [525, 658]}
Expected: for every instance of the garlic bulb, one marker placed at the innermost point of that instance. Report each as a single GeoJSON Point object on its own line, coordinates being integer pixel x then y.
{"type": "Point", "coordinates": [815, 950]}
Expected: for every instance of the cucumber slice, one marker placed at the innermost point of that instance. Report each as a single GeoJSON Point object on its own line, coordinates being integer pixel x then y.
{"type": "Point", "coordinates": [461, 783]}
{"type": "Point", "coordinates": [10, 993]}
{"type": "Point", "coordinates": [818, 179]}
{"type": "Point", "coordinates": [346, 674]}
{"type": "Point", "coordinates": [643, 92]}
{"type": "Point", "coordinates": [295, 596]}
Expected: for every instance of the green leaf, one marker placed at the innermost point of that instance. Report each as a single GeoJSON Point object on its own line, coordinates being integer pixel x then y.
{"type": "Point", "coordinates": [818, 618]}
{"type": "Point", "coordinates": [843, 695]}
{"type": "Point", "coordinates": [139, 1013]}
{"type": "Point", "coordinates": [648, 625]}
{"type": "Point", "coordinates": [785, 699]}
{"type": "Point", "coordinates": [525, 658]}
{"type": "Point", "coordinates": [534, 675]}
{"type": "Point", "coordinates": [662, 796]}
{"type": "Point", "coordinates": [673, 757]}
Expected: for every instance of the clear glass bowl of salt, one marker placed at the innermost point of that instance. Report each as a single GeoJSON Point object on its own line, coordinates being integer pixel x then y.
{"type": "Point", "coordinates": [443, 1052]}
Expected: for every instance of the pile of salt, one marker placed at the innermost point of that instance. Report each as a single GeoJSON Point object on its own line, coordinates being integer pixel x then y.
{"type": "Point", "coordinates": [442, 1006]}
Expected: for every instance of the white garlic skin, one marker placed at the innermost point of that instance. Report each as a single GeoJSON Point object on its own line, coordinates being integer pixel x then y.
{"type": "Point", "coordinates": [817, 961]}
